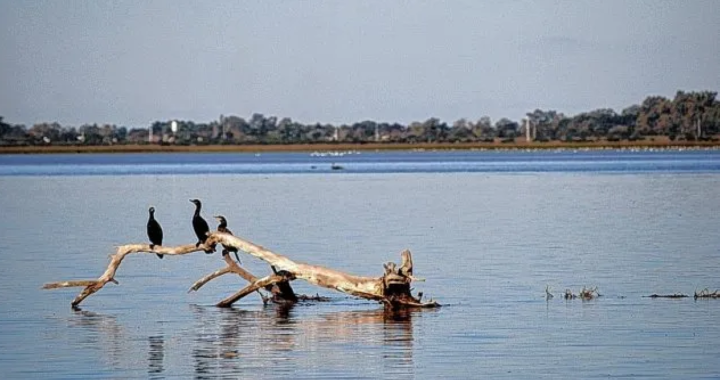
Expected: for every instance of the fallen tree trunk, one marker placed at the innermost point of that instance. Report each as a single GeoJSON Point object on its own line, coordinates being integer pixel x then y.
{"type": "Point", "coordinates": [393, 288]}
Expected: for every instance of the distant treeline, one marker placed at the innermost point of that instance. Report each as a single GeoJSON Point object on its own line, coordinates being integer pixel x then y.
{"type": "Point", "coordinates": [690, 116]}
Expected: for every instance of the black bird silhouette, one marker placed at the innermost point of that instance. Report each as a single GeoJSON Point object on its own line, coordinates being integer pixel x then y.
{"type": "Point", "coordinates": [154, 231]}
{"type": "Point", "coordinates": [222, 227]}
{"type": "Point", "coordinates": [199, 224]}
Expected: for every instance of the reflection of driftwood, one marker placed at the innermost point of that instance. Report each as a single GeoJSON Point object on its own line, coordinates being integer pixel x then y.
{"type": "Point", "coordinates": [92, 286]}
{"type": "Point", "coordinates": [706, 293]}
{"type": "Point", "coordinates": [392, 289]}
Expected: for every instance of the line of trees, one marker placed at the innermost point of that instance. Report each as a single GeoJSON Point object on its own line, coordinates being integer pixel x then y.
{"type": "Point", "coordinates": [689, 116]}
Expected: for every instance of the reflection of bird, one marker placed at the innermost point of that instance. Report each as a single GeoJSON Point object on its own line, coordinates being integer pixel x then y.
{"type": "Point", "coordinates": [154, 231]}
{"type": "Point", "coordinates": [222, 227]}
{"type": "Point", "coordinates": [199, 224]}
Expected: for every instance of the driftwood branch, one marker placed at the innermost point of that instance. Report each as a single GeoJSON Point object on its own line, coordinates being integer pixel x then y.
{"type": "Point", "coordinates": [232, 267]}
{"type": "Point", "coordinates": [281, 294]}
{"type": "Point", "coordinates": [393, 288]}
{"type": "Point", "coordinates": [199, 283]}
{"type": "Point", "coordinates": [254, 286]}
{"type": "Point", "coordinates": [92, 286]}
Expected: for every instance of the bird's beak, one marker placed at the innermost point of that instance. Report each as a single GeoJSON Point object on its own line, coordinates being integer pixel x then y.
{"type": "Point", "coordinates": [191, 200]}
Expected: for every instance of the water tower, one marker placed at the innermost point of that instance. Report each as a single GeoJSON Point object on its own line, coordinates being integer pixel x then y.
{"type": "Point", "coordinates": [174, 126]}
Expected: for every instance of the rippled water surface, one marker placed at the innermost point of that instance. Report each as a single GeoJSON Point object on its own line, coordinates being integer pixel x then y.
{"type": "Point", "coordinates": [488, 242]}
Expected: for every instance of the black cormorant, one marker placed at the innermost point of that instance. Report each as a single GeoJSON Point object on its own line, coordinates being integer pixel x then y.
{"type": "Point", "coordinates": [222, 227]}
{"type": "Point", "coordinates": [199, 224]}
{"type": "Point", "coordinates": [154, 231]}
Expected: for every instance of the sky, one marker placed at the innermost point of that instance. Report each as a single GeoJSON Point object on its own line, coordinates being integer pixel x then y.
{"type": "Point", "coordinates": [132, 62]}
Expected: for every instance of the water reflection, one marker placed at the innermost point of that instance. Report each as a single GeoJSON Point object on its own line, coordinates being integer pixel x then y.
{"type": "Point", "coordinates": [100, 330]}
{"type": "Point", "coordinates": [156, 356]}
{"type": "Point", "coordinates": [287, 341]}
{"type": "Point", "coordinates": [271, 341]}
{"type": "Point", "coordinates": [391, 331]}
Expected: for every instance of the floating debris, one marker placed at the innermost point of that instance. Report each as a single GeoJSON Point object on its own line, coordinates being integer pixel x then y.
{"type": "Point", "coordinates": [706, 293]}
{"type": "Point", "coordinates": [676, 295]}
{"type": "Point", "coordinates": [586, 294]}
{"type": "Point", "coordinates": [548, 295]}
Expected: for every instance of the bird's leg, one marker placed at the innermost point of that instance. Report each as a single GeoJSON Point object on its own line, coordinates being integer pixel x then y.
{"type": "Point", "coordinates": [152, 246]}
{"type": "Point", "coordinates": [237, 257]}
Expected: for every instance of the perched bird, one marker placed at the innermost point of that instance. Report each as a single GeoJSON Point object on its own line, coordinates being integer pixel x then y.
{"type": "Point", "coordinates": [154, 231]}
{"type": "Point", "coordinates": [199, 224]}
{"type": "Point", "coordinates": [222, 227]}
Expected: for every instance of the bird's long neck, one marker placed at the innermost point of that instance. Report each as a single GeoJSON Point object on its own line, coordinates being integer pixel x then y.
{"type": "Point", "coordinates": [197, 209]}
{"type": "Point", "coordinates": [223, 225]}
{"type": "Point", "coordinates": [152, 215]}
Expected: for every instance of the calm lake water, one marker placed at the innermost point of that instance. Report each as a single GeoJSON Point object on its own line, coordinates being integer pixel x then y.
{"type": "Point", "coordinates": [488, 230]}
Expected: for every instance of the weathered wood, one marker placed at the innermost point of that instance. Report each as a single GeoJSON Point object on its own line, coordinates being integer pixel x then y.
{"type": "Point", "coordinates": [69, 284]}
{"type": "Point", "coordinates": [92, 286]}
{"type": "Point", "coordinates": [282, 292]}
{"type": "Point", "coordinates": [316, 275]}
{"type": "Point", "coordinates": [393, 288]}
{"type": "Point", "coordinates": [254, 286]}
{"type": "Point", "coordinates": [199, 283]}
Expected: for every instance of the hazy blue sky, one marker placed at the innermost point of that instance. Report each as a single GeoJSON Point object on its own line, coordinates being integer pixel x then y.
{"type": "Point", "coordinates": [133, 62]}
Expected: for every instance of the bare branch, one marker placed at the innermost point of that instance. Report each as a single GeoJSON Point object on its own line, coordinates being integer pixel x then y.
{"type": "Point", "coordinates": [92, 286]}
{"type": "Point", "coordinates": [69, 284]}
{"type": "Point", "coordinates": [199, 283]}
{"type": "Point", "coordinates": [255, 285]}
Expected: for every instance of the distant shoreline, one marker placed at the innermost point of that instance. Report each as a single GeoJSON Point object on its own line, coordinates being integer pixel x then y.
{"type": "Point", "coordinates": [320, 147]}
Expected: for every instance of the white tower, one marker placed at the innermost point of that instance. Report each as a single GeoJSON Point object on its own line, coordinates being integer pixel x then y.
{"type": "Point", "coordinates": [174, 126]}
{"type": "Point", "coordinates": [528, 137]}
